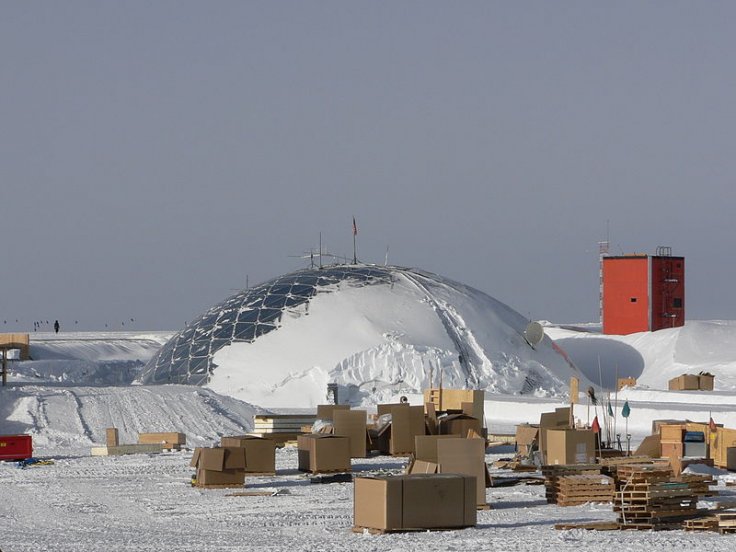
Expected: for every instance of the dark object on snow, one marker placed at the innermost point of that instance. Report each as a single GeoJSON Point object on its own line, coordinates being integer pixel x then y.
{"type": "Point", "coordinates": [56, 326]}
{"type": "Point", "coordinates": [337, 478]}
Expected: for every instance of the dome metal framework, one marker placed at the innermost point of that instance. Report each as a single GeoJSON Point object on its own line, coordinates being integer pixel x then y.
{"type": "Point", "coordinates": [244, 317]}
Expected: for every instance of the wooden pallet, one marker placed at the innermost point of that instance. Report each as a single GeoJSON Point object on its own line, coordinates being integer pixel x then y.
{"type": "Point", "coordinates": [592, 526]}
{"type": "Point", "coordinates": [707, 523]}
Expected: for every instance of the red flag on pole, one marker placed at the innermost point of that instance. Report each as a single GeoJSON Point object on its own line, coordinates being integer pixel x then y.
{"type": "Point", "coordinates": [355, 228]}
{"type": "Point", "coordinates": [596, 427]}
{"type": "Point", "coordinates": [712, 425]}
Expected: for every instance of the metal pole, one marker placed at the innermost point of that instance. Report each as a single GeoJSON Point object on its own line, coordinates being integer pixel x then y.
{"type": "Point", "coordinates": [5, 367]}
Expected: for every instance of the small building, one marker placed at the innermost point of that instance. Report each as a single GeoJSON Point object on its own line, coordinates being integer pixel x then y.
{"type": "Point", "coordinates": [642, 292]}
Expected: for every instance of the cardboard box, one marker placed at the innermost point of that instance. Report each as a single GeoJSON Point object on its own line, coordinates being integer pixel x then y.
{"type": "Point", "coordinates": [458, 424]}
{"type": "Point", "coordinates": [406, 423]}
{"type": "Point", "coordinates": [353, 425]}
{"type": "Point", "coordinates": [260, 453]}
{"type": "Point", "coordinates": [419, 501]}
{"type": "Point", "coordinates": [166, 439]}
{"type": "Point", "coordinates": [705, 382]}
{"type": "Point", "coordinates": [625, 382]}
{"type": "Point", "coordinates": [325, 411]}
{"type": "Point", "coordinates": [465, 456]}
{"type": "Point", "coordinates": [223, 478]}
{"type": "Point", "coordinates": [570, 446]}
{"type": "Point", "coordinates": [526, 435]}
{"type": "Point", "coordinates": [470, 401]}
{"type": "Point", "coordinates": [111, 437]}
{"type": "Point", "coordinates": [425, 446]}
{"type": "Point", "coordinates": [559, 419]}
{"type": "Point", "coordinates": [650, 446]}
{"type": "Point", "coordinates": [422, 466]}
{"type": "Point", "coordinates": [323, 453]}
{"type": "Point", "coordinates": [685, 382]}
{"type": "Point", "coordinates": [219, 466]}
{"type": "Point", "coordinates": [386, 408]}
{"type": "Point", "coordinates": [671, 433]}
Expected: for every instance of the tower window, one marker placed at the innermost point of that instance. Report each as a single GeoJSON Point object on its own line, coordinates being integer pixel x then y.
{"type": "Point", "coordinates": [633, 299]}
{"type": "Point", "coordinates": [677, 302]}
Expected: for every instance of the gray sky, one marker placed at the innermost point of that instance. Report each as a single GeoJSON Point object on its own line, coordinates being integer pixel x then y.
{"type": "Point", "coordinates": [153, 154]}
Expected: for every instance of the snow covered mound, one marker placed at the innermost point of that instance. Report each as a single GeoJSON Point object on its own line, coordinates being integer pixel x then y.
{"type": "Point", "coordinates": [88, 358]}
{"type": "Point", "coordinates": [376, 331]}
{"type": "Point", "coordinates": [655, 357]}
{"type": "Point", "coordinates": [75, 418]}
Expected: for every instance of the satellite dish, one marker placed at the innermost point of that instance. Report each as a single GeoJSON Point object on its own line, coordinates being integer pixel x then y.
{"type": "Point", "coordinates": [534, 333]}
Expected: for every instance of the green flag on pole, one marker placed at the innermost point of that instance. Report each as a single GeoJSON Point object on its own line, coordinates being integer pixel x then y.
{"type": "Point", "coordinates": [625, 411]}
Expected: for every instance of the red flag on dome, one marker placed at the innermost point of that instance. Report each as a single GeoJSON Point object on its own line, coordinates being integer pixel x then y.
{"type": "Point", "coordinates": [596, 427]}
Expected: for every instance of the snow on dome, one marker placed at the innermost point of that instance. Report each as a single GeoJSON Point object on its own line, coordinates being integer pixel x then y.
{"type": "Point", "coordinates": [374, 330]}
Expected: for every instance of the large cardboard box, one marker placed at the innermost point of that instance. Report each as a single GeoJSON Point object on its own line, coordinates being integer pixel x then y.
{"type": "Point", "coordinates": [326, 411]}
{"type": "Point", "coordinates": [705, 382]}
{"type": "Point", "coordinates": [353, 425]}
{"type": "Point", "coordinates": [526, 435]}
{"type": "Point", "coordinates": [559, 419]}
{"type": "Point", "coordinates": [219, 466]}
{"type": "Point", "coordinates": [458, 424]}
{"type": "Point", "coordinates": [419, 501]}
{"type": "Point", "coordinates": [260, 453]}
{"type": "Point", "coordinates": [570, 446]}
{"type": "Point", "coordinates": [167, 439]}
{"type": "Point", "coordinates": [685, 382]}
{"type": "Point", "coordinates": [425, 446]}
{"type": "Point", "coordinates": [466, 456]}
{"type": "Point", "coordinates": [323, 453]}
{"type": "Point", "coordinates": [406, 423]}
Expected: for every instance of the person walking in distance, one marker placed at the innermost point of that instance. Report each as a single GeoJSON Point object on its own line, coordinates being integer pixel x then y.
{"type": "Point", "coordinates": [56, 326]}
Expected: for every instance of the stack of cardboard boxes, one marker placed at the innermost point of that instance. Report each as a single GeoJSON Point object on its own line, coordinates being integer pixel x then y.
{"type": "Point", "coordinates": [260, 453]}
{"type": "Point", "coordinates": [692, 382]}
{"type": "Point", "coordinates": [219, 466]}
{"type": "Point", "coordinates": [453, 454]}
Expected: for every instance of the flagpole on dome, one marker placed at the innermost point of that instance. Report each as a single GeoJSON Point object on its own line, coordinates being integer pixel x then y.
{"type": "Point", "coordinates": [355, 251]}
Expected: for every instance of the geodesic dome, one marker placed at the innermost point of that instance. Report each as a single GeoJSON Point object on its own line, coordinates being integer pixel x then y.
{"type": "Point", "coordinates": [371, 329]}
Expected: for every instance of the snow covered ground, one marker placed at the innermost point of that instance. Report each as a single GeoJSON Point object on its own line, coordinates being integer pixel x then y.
{"type": "Point", "coordinates": [71, 392]}
{"type": "Point", "coordinates": [145, 503]}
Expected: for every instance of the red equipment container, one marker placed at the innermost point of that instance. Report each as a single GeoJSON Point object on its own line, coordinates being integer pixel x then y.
{"type": "Point", "coordinates": [16, 447]}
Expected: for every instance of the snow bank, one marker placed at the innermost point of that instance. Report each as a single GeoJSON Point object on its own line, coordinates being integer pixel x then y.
{"type": "Point", "coordinates": [71, 419]}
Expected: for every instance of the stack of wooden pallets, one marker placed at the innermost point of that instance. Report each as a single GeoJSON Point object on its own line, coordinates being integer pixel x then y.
{"type": "Point", "coordinates": [553, 473]}
{"type": "Point", "coordinates": [699, 484]}
{"type": "Point", "coordinates": [573, 490]}
{"type": "Point", "coordinates": [726, 522]}
{"type": "Point", "coordinates": [649, 499]}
